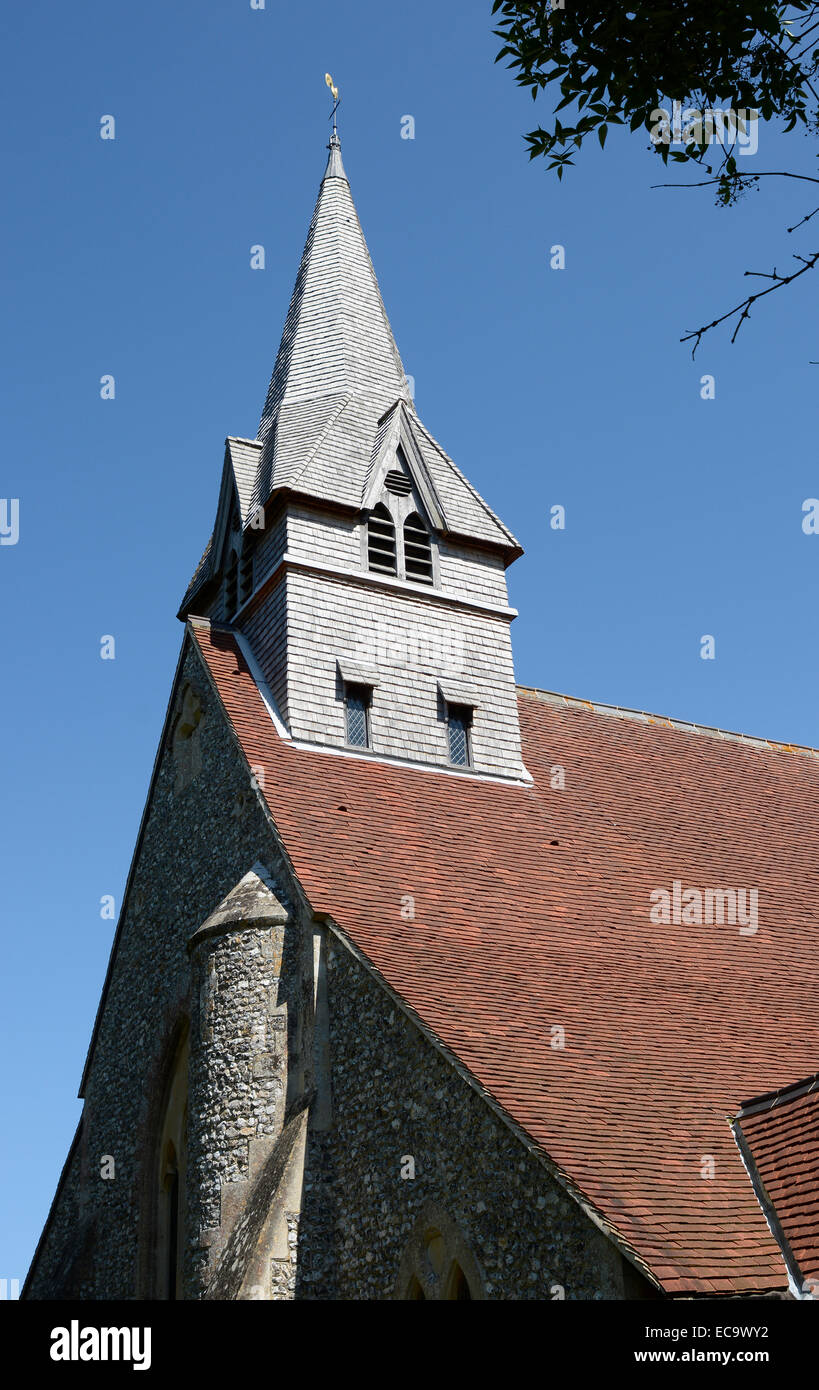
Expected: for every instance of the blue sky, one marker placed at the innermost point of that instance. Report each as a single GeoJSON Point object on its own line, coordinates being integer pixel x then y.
{"type": "Point", "coordinates": [131, 257]}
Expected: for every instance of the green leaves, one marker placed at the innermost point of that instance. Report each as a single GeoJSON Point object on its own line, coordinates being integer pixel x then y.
{"type": "Point", "coordinates": [615, 65]}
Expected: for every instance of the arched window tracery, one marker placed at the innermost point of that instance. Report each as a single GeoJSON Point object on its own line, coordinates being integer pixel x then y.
{"type": "Point", "coordinates": [438, 1263]}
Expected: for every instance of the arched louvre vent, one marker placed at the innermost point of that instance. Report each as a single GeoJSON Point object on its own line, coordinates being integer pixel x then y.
{"type": "Point", "coordinates": [231, 585]}
{"type": "Point", "coordinates": [381, 541]}
{"type": "Point", "coordinates": [246, 572]}
{"type": "Point", "coordinates": [417, 550]}
{"type": "Point", "coordinates": [398, 483]}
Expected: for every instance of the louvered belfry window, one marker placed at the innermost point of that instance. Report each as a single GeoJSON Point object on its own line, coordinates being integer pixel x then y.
{"type": "Point", "coordinates": [246, 571]}
{"type": "Point", "coordinates": [231, 578]}
{"type": "Point", "coordinates": [417, 550]}
{"type": "Point", "coordinates": [381, 541]}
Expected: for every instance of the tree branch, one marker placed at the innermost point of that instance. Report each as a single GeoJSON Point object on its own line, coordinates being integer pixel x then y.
{"type": "Point", "coordinates": [741, 174]}
{"type": "Point", "coordinates": [796, 66]}
{"type": "Point", "coordinates": [803, 221]}
{"type": "Point", "coordinates": [744, 308]}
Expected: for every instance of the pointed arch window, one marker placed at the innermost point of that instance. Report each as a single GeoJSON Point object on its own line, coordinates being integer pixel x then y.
{"type": "Point", "coordinates": [170, 1222]}
{"type": "Point", "coordinates": [459, 1290]}
{"type": "Point", "coordinates": [381, 554]}
{"type": "Point", "coordinates": [417, 550]}
{"type": "Point", "coordinates": [173, 1137]}
{"type": "Point", "coordinates": [438, 1263]}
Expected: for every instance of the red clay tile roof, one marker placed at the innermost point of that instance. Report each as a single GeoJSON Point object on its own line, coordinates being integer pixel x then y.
{"type": "Point", "coordinates": [532, 912]}
{"type": "Point", "coordinates": [781, 1141]}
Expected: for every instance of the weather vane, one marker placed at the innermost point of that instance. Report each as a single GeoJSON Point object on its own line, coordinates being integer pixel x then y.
{"type": "Point", "coordinates": [328, 79]}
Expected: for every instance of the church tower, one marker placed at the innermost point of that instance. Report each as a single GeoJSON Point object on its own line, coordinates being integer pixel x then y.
{"type": "Point", "coordinates": [362, 572]}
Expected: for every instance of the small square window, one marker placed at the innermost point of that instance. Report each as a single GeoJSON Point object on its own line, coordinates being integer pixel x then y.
{"type": "Point", "coordinates": [458, 723]}
{"type": "Point", "coordinates": [357, 699]}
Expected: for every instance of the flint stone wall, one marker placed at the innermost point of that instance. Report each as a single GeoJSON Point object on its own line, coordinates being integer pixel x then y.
{"type": "Point", "coordinates": [395, 1095]}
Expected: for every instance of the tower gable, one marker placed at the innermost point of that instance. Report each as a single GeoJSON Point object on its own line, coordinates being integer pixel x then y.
{"type": "Point", "coordinates": [234, 513]}
{"type": "Point", "coordinates": [396, 451]}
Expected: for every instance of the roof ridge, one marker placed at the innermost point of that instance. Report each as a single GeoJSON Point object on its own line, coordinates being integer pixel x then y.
{"type": "Point", "coordinates": [684, 726]}
{"type": "Point", "coordinates": [769, 1100]}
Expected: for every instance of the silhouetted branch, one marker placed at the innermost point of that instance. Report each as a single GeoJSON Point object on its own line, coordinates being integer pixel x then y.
{"type": "Point", "coordinates": [744, 308]}
{"type": "Point", "coordinates": [742, 174]}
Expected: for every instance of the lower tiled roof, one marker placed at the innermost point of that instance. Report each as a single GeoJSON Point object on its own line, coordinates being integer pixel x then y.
{"type": "Point", "coordinates": [781, 1137]}
{"type": "Point", "coordinates": [532, 914]}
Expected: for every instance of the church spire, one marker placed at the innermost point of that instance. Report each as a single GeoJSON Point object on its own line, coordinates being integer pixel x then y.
{"type": "Point", "coordinates": [337, 342]}
{"type": "Point", "coordinates": [338, 368]}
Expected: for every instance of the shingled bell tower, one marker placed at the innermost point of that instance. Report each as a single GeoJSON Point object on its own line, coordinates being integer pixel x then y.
{"type": "Point", "coordinates": [363, 574]}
